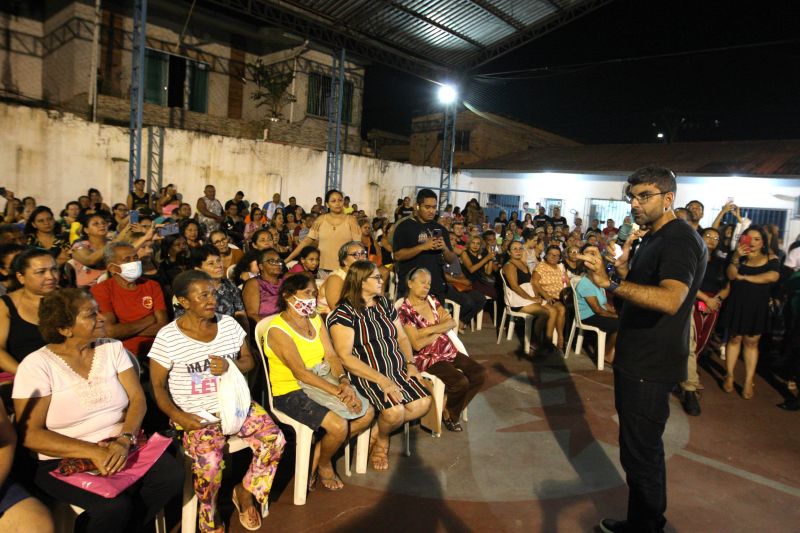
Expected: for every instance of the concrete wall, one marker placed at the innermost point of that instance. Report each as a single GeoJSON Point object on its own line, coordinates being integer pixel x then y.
{"type": "Point", "coordinates": [56, 157]}
{"type": "Point", "coordinates": [20, 57]}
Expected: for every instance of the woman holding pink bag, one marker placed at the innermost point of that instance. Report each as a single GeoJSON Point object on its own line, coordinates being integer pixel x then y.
{"type": "Point", "coordinates": [79, 398]}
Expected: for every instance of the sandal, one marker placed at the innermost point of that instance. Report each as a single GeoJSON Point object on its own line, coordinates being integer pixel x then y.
{"type": "Point", "coordinates": [727, 385]}
{"type": "Point", "coordinates": [452, 426]}
{"type": "Point", "coordinates": [312, 482]}
{"type": "Point", "coordinates": [246, 518]}
{"type": "Point", "coordinates": [379, 457]}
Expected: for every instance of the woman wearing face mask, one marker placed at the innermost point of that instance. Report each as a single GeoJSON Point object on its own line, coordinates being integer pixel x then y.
{"type": "Point", "coordinates": [34, 274]}
{"type": "Point", "coordinates": [330, 231]}
{"type": "Point", "coordinates": [307, 378]}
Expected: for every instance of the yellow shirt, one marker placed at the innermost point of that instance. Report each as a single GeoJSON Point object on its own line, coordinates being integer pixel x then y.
{"type": "Point", "coordinates": [311, 351]}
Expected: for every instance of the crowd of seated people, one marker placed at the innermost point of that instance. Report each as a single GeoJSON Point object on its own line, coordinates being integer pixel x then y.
{"type": "Point", "coordinates": [98, 292]}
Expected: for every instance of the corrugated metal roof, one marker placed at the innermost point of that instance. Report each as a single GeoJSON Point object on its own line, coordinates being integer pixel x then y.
{"type": "Point", "coordinates": [452, 34]}
{"type": "Point", "coordinates": [747, 158]}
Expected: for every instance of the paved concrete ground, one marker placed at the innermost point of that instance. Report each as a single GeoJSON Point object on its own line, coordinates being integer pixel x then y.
{"type": "Point", "coordinates": [540, 454]}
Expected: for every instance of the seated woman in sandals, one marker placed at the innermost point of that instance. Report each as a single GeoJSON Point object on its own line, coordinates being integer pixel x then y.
{"type": "Point", "coordinates": [187, 358]}
{"type": "Point", "coordinates": [307, 379]}
{"type": "Point", "coordinates": [374, 349]}
{"type": "Point", "coordinates": [427, 324]}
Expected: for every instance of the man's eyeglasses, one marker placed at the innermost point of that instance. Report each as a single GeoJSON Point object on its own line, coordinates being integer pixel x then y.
{"type": "Point", "coordinates": [362, 253]}
{"type": "Point", "coordinates": [220, 241]}
{"type": "Point", "coordinates": [274, 262]}
{"type": "Point", "coordinates": [641, 198]}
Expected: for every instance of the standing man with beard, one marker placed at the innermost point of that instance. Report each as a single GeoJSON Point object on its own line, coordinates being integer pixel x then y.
{"type": "Point", "coordinates": [696, 210]}
{"type": "Point", "coordinates": [658, 288]}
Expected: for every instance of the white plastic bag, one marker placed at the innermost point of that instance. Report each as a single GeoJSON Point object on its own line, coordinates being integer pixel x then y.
{"type": "Point", "coordinates": [234, 399]}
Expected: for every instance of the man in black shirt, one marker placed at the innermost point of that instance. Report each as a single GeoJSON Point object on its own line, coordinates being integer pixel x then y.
{"type": "Point", "coordinates": [658, 289]}
{"type": "Point", "coordinates": [557, 220]}
{"type": "Point", "coordinates": [541, 220]}
{"type": "Point", "coordinates": [696, 210]}
{"type": "Point", "coordinates": [418, 241]}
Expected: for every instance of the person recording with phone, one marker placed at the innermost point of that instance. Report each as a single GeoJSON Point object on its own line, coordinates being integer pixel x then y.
{"type": "Point", "coordinates": [419, 242]}
{"type": "Point", "coordinates": [752, 271]}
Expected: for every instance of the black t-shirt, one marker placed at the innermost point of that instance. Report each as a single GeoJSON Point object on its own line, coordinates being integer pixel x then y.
{"type": "Point", "coordinates": [410, 232]}
{"type": "Point", "coordinates": [559, 222]}
{"type": "Point", "coordinates": [541, 221]}
{"type": "Point", "coordinates": [652, 345]}
{"type": "Point", "coordinates": [715, 277]}
{"type": "Point", "coordinates": [403, 212]}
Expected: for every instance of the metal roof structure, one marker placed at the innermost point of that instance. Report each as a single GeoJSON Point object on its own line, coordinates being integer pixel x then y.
{"type": "Point", "coordinates": [726, 158]}
{"type": "Point", "coordinates": [424, 37]}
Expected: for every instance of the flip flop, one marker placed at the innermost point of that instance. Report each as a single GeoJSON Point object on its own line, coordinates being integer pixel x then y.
{"type": "Point", "coordinates": [243, 517]}
{"type": "Point", "coordinates": [379, 457]}
{"type": "Point", "coordinates": [334, 477]}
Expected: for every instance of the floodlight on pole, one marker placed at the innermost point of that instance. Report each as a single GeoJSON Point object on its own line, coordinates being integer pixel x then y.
{"type": "Point", "coordinates": [447, 94]}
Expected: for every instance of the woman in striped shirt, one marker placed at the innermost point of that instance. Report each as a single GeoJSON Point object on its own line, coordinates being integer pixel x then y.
{"type": "Point", "coordinates": [369, 339]}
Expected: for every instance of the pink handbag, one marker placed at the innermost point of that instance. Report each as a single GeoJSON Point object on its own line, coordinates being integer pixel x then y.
{"type": "Point", "coordinates": [139, 462]}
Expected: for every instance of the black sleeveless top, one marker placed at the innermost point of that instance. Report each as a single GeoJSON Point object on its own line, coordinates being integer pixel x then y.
{"type": "Point", "coordinates": [523, 276]}
{"type": "Point", "coordinates": [140, 202]}
{"type": "Point", "coordinates": [474, 276]}
{"type": "Point", "coordinates": [23, 337]}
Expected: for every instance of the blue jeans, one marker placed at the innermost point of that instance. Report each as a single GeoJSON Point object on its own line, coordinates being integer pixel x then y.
{"type": "Point", "coordinates": [643, 409]}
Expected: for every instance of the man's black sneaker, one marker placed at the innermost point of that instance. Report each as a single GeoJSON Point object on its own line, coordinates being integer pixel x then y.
{"type": "Point", "coordinates": [690, 403]}
{"type": "Point", "coordinates": [609, 525]}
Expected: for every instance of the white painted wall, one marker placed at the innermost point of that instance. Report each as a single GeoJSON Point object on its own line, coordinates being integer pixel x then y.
{"type": "Point", "coordinates": [56, 157]}
{"type": "Point", "coordinates": [574, 189]}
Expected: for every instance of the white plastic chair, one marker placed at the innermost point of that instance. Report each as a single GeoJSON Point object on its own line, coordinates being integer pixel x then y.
{"type": "Point", "coordinates": [65, 515]}
{"type": "Point", "coordinates": [229, 274]}
{"type": "Point", "coordinates": [189, 508]}
{"type": "Point", "coordinates": [581, 327]}
{"type": "Point", "coordinates": [473, 324]}
{"type": "Point", "coordinates": [304, 435]}
{"type": "Point", "coordinates": [508, 313]}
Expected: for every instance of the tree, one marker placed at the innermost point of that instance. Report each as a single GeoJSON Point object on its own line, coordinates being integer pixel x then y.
{"type": "Point", "coordinates": [272, 86]}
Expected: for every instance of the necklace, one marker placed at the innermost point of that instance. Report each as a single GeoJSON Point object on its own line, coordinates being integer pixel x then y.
{"type": "Point", "coordinates": [305, 328]}
{"type": "Point", "coordinates": [329, 220]}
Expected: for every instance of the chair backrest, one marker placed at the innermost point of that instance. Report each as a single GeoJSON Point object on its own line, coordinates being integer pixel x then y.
{"type": "Point", "coordinates": [506, 289]}
{"type": "Point", "coordinates": [574, 284]}
{"type": "Point", "coordinates": [229, 274]}
{"type": "Point", "coordinates": [261, 336]}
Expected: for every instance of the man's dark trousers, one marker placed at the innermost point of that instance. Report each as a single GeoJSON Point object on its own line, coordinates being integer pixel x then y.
{"type": "Point", "coordinates": [643, 410]}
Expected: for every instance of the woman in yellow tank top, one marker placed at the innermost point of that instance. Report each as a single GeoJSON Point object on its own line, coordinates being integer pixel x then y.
{"type": "Point", "coordinates": [307, 378]}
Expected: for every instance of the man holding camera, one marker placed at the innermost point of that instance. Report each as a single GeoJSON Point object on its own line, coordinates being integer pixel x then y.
{"type": "Point", "coordinates": [418, 241]}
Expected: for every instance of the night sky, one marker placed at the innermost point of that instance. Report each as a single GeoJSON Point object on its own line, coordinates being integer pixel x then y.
{"type": "Point", "coordinates": [742, 93]}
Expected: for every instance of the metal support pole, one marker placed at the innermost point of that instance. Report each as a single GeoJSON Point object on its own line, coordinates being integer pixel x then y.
{"type": "Point", "coordinates": [333, 175]}
{"type": "Point", "coordinates": [94, 60]}
{"type": "Point", "coordinates": [448, 152]}
{"type": "Point", "coordinates": [137, 90]}
{"type": "Point", "coordinates": [155, 159]}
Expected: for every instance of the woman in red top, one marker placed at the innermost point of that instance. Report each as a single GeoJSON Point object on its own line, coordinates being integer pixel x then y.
{"type": "Point", "coordinates": [427, 324]}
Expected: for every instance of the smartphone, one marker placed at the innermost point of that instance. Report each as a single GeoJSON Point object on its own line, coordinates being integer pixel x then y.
{"type": "Point", "coordinates": [745, 240]}
{"type": "Point", "coordinates": [437, 233]}
{"type": "Point", "coordinates": [169, 229]}
{"type": "Point", "coordinates": [134, 216]}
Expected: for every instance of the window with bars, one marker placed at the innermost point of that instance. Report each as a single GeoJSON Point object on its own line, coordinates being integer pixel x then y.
{"type": "Point", "coordinates": [462, 140]}
{"type": "Point", "coordinates": [602, 210]}
{"type": "Point", "coordinates": [319, 94]}
{"type": "Point", "coordinates": [761, 217]}
{"type": "Point", "coordinates": [175, 81]}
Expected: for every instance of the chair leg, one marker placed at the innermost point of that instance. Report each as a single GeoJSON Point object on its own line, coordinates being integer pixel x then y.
{"type": "Point", "coordinates": [464, 415]}
{"type": "Point", "coordinates": [407, 435]}
{"type": "Point", "coordinates": [347, 459]}
{"type": "Point", "coordinates": [601, 349]}
{"type": "Point", "coordinates": [479, 320]}
{"type": "Point", "coordinates": [161, 522]}
{"type": "Point", "coordinates": [500, 331]}
{"type": "Point", "coordinates": [189, 510]}
{"type": "Point", "coordinates": [579, 343]}
{"type": "Point", "coordinates": [494, 313]}
{"type": "Point", "coordinates": [511, 326]}
{"type": "Point", "coordinates": [571, 338]}
{"type": "Point", "coordinates": [433, 418]}
{"type": "Point", "coordinates": [528, 328]}
{"type": "Point", "coordinates": [304, 437]}
{"type": "Point", "coordinates": [362, 452]}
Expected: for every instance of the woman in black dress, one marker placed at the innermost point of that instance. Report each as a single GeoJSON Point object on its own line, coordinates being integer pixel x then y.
{"type": "Point", "coordinates": [746, 313]}
{"type": "Point", "coordinates": [370, 340]}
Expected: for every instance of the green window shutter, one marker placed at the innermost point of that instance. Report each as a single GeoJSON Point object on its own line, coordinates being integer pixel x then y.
{"type": "Point", "coordinates": [156, 67]}
{"type": "Point", "coordinates": [198, 87]}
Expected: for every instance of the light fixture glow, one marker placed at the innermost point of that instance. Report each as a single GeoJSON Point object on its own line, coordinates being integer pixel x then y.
{"type": "Point", "coordinates": [660, 135]}
{"type": "Point", "coordinates": [447, 94]}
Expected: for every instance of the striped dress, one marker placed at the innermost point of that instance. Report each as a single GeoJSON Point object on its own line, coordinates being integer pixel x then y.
{"type": "Point", "coordinates": [375, 343]}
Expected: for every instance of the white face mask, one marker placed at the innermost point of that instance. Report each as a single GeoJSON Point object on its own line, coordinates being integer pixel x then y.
{"type": "Point", "coordinates": [131, 271]}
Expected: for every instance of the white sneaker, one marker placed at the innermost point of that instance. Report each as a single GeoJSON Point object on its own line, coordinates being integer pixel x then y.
{"type": "Point", "coordinates": [722, 352]}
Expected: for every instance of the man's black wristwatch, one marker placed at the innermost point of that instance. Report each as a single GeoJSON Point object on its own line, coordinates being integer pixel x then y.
{"type": "Point", "coordinates": [612, 286]}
